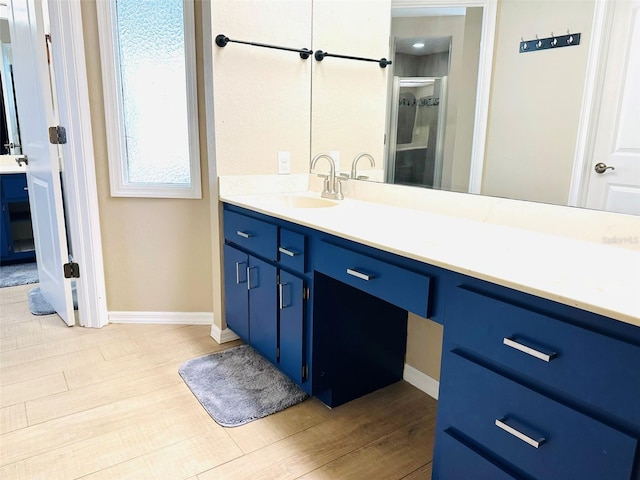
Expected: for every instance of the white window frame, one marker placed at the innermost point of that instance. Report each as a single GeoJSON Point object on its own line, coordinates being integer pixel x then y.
{"type": "Point", "coordinates": [114, 117]}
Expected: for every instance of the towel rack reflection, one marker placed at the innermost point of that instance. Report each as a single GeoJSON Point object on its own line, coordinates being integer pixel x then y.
{"type": "Point", "coordinates": [320, 55]}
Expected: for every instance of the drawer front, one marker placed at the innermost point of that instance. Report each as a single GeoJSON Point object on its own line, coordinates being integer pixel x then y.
{"type": "Point", "coordinates": [509, 419]}
{"type": "Point", "coordinates": [292, 251]}
{"type": "Point", "coordinates": [396, 285]}
{"type": "Point", "coordinates": [255, 235]}
{"type": "Point", "coordinates": [14, 186]}
{"type": "Point", "coordinates": [456, 462]}
{"type": "Point", "coordinates": [592, 367]}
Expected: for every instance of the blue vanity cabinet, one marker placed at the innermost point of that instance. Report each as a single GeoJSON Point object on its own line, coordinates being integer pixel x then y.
{"type": "Point", "coordinates": [265, 304]}
{"type": "Point", "coordinates": [537, 389]}
{"type": "Point", "coordinates": [292, 344]}
{"type": "Point", "coordinates": [250, 301]}
{"type": "Point", "coordinates": [236, 294]}
{"type": "Point", "coordinates": [17, 243]}
{"type": "Point", "coordinates": [529, 388]}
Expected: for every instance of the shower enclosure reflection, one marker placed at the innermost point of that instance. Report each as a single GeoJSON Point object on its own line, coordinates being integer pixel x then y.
{"type": "Point", "coordinates": [417, 127]}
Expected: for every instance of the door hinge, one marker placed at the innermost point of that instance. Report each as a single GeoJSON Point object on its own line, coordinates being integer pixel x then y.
{"type": "Point", "coordinates": [71, 270]}
{"type": "Point", "coordinates": [306, 294]}
{"type": "Point", "coordinates": [305, 372]}
{"type": "Point", "coordinates": [57, 135]}
{"type": "Point", "coordinates": [278, 354]}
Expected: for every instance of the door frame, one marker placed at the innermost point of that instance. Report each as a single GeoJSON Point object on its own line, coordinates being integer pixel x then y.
{"type": "Point", "coordinates": [590, 109]}
{"type": "Point", "coordinates": [79, 178]}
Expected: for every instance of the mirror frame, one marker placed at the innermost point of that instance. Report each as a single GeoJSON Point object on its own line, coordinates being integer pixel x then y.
{"type": "Point", "coordinates": [485, 69]}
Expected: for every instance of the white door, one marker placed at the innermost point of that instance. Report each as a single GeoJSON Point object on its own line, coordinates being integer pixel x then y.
{"type": "Point", "coordinates": [35, 111]}
{"type": "Point", "coordinates": [614, 182]}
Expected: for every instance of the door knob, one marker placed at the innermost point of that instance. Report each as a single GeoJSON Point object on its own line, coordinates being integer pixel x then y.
{"type": "Point", "coordinates": [602, 167]}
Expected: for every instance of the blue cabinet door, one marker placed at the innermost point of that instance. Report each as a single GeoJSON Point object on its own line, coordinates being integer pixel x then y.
{"type": "Point", "coordinates": [263, 319]}
{"type": "Point", "coordinates": [291, 308]}
{"type": "Point", "coordinates": [236, 294]}
{"type": "Point", "coordinates": [4, 228]}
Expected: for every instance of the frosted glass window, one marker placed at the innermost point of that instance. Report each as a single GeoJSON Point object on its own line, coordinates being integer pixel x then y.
{"type": "Point", "coordinates": [148, 58]}
{"type": "Point", "coordinates": [154, 91]}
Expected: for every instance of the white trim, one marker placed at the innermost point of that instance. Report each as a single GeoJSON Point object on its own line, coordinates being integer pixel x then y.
{"type": "Point", "coordinates": [421, 381]}
{"type": "Point", "coordinates": [587, 126]}
{"type": "Point", "coordinates": [114, 117]}
{"type": "Point", "coordinates": [483, 96]}
{"type": "Point", "coordinates": [223, 336]}
{"type": "Point", "coordinates": [81, 196]}
{"type": "Point", "coordinates": [165, 318]}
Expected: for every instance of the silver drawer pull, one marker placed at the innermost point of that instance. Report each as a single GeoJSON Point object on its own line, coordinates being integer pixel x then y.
{"type": "Point", "coordinates": [363, 276]}
{"type": "Point", "coordinates": [238, 282]}
{"type": "Point", "coordinates": [281, 295]}
{"type": "Point", "coordinates": [242, 234]}
{"type": "Point", "coordinates": [249, 277]}
{"type": "Point", "coordinates": [288, 252]}
{"type": "Point", "coordinates": [547, 357]}
{"type": "Point", "coordinates": [534, 443]}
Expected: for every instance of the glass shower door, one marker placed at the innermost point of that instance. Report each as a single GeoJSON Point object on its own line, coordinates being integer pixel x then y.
{"type": "Point", "coordinates": [416, 137]}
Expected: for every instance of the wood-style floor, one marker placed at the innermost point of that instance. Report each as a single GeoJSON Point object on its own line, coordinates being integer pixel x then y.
{"type": "Point", "coordinates": [109, 404]}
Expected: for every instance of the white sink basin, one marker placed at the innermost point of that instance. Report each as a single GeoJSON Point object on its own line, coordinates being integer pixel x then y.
{"type": "Point", "coordinates": [300, 201]}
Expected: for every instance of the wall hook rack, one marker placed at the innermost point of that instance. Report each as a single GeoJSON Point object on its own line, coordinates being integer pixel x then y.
{"type": "Point", "coordinates": [568, 40]}
{"type": "Point", "coordinates": [222, 40]}
{"type": "Point", "coordinates": [320, 55]}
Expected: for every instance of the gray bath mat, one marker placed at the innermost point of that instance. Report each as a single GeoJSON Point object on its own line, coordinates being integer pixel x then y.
{"type": "Point", "coordinates": [38, 305]}
{"type": "Point", "coordinates": [238, 385]}
{"type": "Point", "coordinates": [18, 274]}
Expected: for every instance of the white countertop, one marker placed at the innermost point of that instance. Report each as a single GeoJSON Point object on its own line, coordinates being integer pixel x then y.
{"type": "Point", "coordinates": [596, 277]}
{"type": "Point", "coordinates": [8, 164]}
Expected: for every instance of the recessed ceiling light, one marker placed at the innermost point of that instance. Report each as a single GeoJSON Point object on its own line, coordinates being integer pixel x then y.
{"type": "Point", "coordinates": [418, 45]}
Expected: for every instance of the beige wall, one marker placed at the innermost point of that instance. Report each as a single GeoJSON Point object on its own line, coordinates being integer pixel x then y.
{"type": "Point", "coordinates": [348, 97]}
{"type": "Point", "coordinates": [424, 345]}
{"type": "Point", "coordinates": [455, 176]}
{"type": "Point", "coordinates": [157, 252]}
{"type": "Point", "coordinates": [262, 97]}
{"type": "Point", "coordinates": [535, 101]}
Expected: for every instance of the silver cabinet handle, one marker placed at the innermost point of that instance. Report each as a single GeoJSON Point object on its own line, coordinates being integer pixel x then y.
{"type": "Point", "coordinates": [238, 282]}
{"type": "Point", "coordinates": [242, 234]}
{"type": "Point", "coordinates": [281, 296]}
{"type": "Point", "coordinates": [516, 433]}
{"type": "Point", "coordinates": [288, 252]}
{"type": "Point", "coordinates": [547, 357]}
{"type": "Point", "coordinates": [249, 277]}
{"type": "Point", "coordinates": [363, 276]}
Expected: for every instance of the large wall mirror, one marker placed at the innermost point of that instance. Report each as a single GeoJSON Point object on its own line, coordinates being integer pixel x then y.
{"type": "Point", "coordinates": [461, 108]}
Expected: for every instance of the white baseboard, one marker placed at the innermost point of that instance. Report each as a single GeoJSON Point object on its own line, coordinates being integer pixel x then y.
{"type": "Point", "coordinates": [169, 318]}
{"type": "Point", "coordinates": [222, 336]}
{"type": "Point", "coordinates": [422, 381]}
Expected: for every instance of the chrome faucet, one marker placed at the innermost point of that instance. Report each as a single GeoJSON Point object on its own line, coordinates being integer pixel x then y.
{"type": "Point", "coordinates": [332, 184]}
{"type": "Point", "coordinates": [354, 165]}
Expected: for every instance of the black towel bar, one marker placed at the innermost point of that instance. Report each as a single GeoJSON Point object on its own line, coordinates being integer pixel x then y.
{"type": "Point", "coordinates": [222, 40]}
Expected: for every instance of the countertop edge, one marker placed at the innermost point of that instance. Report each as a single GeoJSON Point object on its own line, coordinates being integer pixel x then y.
{"type": "Point", "coordinates": [589, 303]}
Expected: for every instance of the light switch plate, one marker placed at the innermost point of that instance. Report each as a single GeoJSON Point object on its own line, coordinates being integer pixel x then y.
{"type": "Point", "coordinates": [284, 163]}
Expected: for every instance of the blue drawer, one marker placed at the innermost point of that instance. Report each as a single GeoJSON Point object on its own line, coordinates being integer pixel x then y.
{"type": "Point", "coordinates": [475, 399]}
{"type": "Point", "coordinates": [14, 186]}
{"type": "Point", "coordinates": [594, 368]}
{"type": "Point", "coordinates": [256, 236]}
{"type": "Point", "coordinates": [398, 286]}
{"type": "Point", "coordinates": [458, 462]}
{"type": "Point", "coordinates": [292, 250]}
